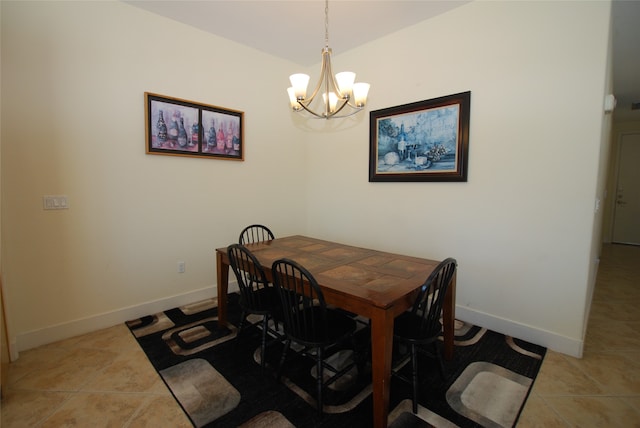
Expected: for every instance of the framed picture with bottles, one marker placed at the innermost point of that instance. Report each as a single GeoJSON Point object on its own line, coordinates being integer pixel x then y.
{"type": "Point", "coordinates": [177, 127]}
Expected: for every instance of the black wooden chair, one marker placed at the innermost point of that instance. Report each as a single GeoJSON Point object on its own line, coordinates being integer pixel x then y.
{"type": "Point", "coordinates": [257, 295]}
{"type": "Point", "coordinates": [418, 329]}
{"type": "Point", "coordinates": [309, 322]}
{"type": "Point", "coordinates": [255, 233]}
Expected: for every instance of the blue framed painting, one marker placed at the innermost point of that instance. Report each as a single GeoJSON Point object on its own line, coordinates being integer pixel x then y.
{"type": "Point", "coordinates": [422, 141]}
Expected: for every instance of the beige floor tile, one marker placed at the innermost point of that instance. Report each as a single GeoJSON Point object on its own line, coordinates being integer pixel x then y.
{"type": "Point", "coordinates": [620, 286]}
{"type": "Point", "coordinates": [116, 337]}
{"type": "Point", "coordinates": [41, 358]}
{"type": "Point", "coordinates": [72, 371]}
{"type": "Point", "coordinates": [26, 408]}
{"type": "Point", "coordinates": [619, 310]}
{"type": "Point", "coordinates": [537, 414]}
{"type": "Point", "coordinates": [559, 377]}
{"type": "Point", "coordinates": [617, 373]}
{"type": "Point", "coordinates": [95, 410]}
{"type": "Point", "coordinates": [633, 401]}
{"type": "Point", "coordinates": [586, 412]}
{"type": "Point", "coordinates": [126, 375]}
{"type": "Point", "coordinates": [612, 336]}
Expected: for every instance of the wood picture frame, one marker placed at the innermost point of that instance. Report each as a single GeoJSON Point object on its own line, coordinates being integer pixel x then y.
{"type": "Point", "coordinates": [178, 127]}
{"type": "Point", "coordinates": [422, 141]}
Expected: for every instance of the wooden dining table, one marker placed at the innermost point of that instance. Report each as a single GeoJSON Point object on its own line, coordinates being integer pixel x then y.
{"type": "Point", "coordinates": [375, 284]}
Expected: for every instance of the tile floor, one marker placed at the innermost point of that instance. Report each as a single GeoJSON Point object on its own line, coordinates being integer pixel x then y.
{"type": "Point", "coordinates": [103, 379]}
{"type": "Point", "coordinates": [602, 389]}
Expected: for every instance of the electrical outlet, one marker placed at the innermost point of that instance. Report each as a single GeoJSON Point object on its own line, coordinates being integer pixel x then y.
{"type": "Point", "coordinates": [180, 267]}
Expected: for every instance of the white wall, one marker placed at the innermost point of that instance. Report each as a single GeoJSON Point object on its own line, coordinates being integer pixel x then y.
{"type": "Point", "coordinates": [522, 226]}
{"type": "Point", "coordinates": [73, 79]}
{"type": "Point", "coordinates": [73, 75]}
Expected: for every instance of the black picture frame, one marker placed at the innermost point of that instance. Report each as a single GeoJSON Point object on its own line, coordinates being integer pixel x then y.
{"type": "Point", "coordinates": [422, 141]}
{"type": "Point", "coordinates": [178, 127]}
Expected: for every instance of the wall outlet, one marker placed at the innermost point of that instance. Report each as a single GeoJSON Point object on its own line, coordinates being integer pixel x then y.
{"type": "Point", "coordinates": [180, 267]}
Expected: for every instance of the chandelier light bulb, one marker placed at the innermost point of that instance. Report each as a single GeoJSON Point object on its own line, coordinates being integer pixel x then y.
{"type": "Point", "coordinates": [293, 100]}
{"type": "Point", "coordinates": [345, 81]}
{"type": "Point", "coordinates": [333, 101]}
{"type": "Point", "coordinates": [360, 92]}
{"type": "Point", "coordinates": [299, 82]}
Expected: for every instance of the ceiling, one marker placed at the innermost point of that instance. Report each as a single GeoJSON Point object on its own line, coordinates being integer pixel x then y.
{"type": "Point", "coordinates": [295, 30]}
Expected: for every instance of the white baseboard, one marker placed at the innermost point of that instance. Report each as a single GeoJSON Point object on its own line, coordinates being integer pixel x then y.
{"type": "Point", "coordinates": [548, 339]}
{"type": "Point", "coordinates": [35, 338]}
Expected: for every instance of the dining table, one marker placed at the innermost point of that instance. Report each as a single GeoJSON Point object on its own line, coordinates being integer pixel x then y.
{"type": "Point", "coordinates": [375, 284]}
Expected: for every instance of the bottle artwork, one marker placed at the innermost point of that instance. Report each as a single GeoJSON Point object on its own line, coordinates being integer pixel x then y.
{"type": "Point", "coordinates": [182, 134]}
{"type": "Point", "coordinates": [162, 129]}
{"type": "Point", "coordinates": [173, 131]}
{"type": "Point", "coordinates": [212, 140]}
{"type": "Point", "coordinates": [195, 134]}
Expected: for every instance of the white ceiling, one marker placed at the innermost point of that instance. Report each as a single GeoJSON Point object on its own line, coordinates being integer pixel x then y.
{"type": "Point", "coordinates": [295, 30]}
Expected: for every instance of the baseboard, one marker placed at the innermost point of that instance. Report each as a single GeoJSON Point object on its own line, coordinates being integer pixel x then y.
{"type": "Point", "coordinates": [548, 339]}
{"type": "Point", "coordinates": [35, 338]}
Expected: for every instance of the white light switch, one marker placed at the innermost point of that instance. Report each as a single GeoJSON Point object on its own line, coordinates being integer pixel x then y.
{"type": "Point", "coordinates": [55, 202]}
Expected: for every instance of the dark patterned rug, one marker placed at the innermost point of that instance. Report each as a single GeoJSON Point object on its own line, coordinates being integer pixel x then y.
{"type": "Point", "coordinates": [218, 381]}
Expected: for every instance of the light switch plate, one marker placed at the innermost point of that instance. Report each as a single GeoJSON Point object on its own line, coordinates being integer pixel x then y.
{"type": "Point", "coordinates": [55, 202]}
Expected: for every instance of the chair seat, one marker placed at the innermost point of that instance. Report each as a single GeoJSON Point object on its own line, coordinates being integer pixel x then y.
{"type": "Point", "coordinates": [338, 326]}
{"type": "Point", "coordinates": [406, 328]}
{"type": "Point", "coordinates": [265, 300]}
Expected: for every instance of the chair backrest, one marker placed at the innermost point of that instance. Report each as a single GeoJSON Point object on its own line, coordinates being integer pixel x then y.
{"type": "Point", "coordinates": [428, 303]}
{"type": "Point", "coordinates": [249, 273]}
{"type": "Point", "coordinates": [303, 304]}
{"type": "Point", "coordinates": [255, 233]}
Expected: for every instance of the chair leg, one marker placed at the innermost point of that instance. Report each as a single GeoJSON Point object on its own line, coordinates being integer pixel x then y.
{"type": "Point", "coordinates": [414, 377]}
{"type": "Point", "coordinates": [439, 358]}
{"type": "Point", "coordinates": [287, 343]}
{"type": "Point", "coordinates": [240, 325]}
{"type": "Point", "coordinates": [320, 381]}
{"type": "Point", "coordinates": [359, 356]}
{"type": "Point", "coordinates": [263, 347]}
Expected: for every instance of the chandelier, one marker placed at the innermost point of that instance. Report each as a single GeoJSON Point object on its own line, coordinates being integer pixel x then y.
{"type": "Point", "coordinates": [341, 97]}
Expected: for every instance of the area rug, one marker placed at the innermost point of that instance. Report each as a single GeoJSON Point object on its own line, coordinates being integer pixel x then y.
{"type": "Point", "coordinates": [218, 380]}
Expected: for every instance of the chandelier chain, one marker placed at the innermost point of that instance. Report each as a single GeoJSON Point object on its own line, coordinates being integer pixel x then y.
{"type": "Point", "coordinates": [326, 23]}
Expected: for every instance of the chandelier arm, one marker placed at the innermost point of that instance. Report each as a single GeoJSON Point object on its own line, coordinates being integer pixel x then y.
{"type": "Point", "coordinates": [308, 110]}
{"type": "Point", "coordinates": [331, 84]}
{"type": "Point", "coordinates": [336, 116]}
{"type": "Point", "coordinates": [325, 76]}
{"type": "Point", "coordinates": [343, 104]}
{"type": "Point", "coordinates": [333, 115]}
{"type": "Point", "coordinates": [353, 105]}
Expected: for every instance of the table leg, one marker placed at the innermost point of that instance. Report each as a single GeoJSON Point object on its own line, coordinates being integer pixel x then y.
{"type": "Point", "coordinates": [448, 318]}
{"type": "Point", "coordinates": [223, 288]}
{"type": "Point", "coordinates": [381, 353]}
